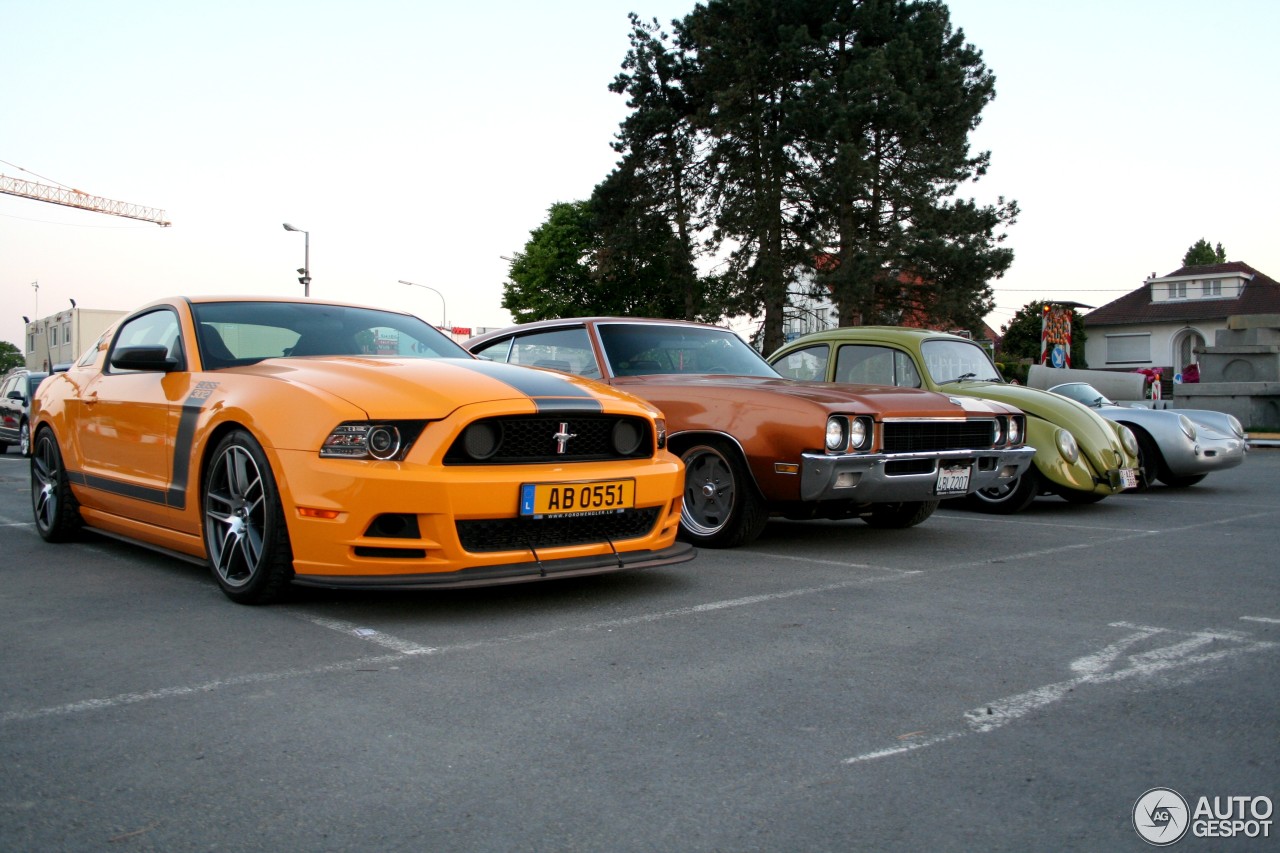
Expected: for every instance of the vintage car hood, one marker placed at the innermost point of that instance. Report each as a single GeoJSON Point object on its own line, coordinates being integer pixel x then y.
{"type": "Point", "coordinates": [431, 388]}
{"type": "Point", "coordinates": [880, 399]}
{"type": "Point", "coordinates": [1081, 421]}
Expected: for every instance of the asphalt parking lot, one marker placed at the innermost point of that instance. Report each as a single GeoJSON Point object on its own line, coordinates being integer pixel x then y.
{"type": "Point", "coordinates": [978, 682]}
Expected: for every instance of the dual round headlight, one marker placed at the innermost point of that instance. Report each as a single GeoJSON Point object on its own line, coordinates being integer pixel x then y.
{"type": "Point", "coordinates": [847, 434]}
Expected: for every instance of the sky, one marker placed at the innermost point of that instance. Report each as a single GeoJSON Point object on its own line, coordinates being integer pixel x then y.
{"type": "Point", "coordinates": [423, 141]}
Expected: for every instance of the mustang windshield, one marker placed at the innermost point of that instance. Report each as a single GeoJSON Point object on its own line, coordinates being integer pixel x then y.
{"type": "Point", "coordinates": [237, 333]}
{"type": "Point", "coordinates": [636, 349]}
{"type": "Point", "coordinates": [958, 361]}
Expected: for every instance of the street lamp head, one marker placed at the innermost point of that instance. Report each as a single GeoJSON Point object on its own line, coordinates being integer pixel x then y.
{"type": "Point", "coordinates": [289, 227]}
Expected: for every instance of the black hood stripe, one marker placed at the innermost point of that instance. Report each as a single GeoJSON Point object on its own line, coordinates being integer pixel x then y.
{"type": "Point", "coordinates": [548, 391]}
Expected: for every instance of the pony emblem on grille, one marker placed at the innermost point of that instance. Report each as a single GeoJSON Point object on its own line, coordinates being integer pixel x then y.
{"type": "Point", "coordinates": [562, 438]}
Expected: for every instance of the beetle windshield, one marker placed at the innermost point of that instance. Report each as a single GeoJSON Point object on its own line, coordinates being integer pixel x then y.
{"type": "Point", "coordinates": [236, 333]}
{"type": "Point", "coordinates": [958, 360]}
{"type": "Point", "coordinates": [636, 349]}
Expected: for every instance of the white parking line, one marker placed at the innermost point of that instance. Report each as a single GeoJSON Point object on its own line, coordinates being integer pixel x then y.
{"type": "Point", "coordinates": [407, 650]}
{"type": "Point", "coordinates": [1093, 669]}
{"type": "Point", "coordinates": [1265, 619]}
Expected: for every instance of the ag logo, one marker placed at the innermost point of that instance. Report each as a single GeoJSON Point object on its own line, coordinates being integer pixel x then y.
{"type": "Point", "coordinates": [1161, 816]}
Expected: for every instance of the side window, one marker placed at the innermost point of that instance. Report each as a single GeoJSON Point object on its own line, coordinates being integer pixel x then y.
{"type": "Point", "coordinates": [875, 365]}
{"type": "Point", "coordinates": [566, 350]}
{"type": "Point", "coordinates": [809, 364]}
{"type": "Point", "coordinates": [154, 329]}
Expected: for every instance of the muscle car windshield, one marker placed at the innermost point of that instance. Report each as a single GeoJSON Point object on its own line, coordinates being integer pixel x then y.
{"type": "Point", "coordinates": [653, 348]}
{"type": "Point", "coordinates": [239, 333]}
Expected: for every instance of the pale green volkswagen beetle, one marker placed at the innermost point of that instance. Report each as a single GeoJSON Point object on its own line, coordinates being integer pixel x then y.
{"type": "Point", "coordinates": [1079, 455]}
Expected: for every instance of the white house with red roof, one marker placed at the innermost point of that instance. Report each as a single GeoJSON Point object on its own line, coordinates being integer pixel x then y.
{"type": "Point", "coordinates": [1161, 324]}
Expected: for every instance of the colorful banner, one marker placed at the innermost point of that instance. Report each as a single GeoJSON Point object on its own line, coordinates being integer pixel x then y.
{"type": "Point", "coordinates": [1055, 336]}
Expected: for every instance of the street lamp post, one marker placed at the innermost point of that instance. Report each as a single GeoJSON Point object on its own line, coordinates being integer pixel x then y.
{"type": "Point", "coordinates": [444, 310]}
{"type": "Point", "coordinates": [304, 274]}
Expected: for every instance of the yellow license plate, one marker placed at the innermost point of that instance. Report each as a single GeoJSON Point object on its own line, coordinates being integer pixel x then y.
{"type": "Point", "coordinates": [603, 496]}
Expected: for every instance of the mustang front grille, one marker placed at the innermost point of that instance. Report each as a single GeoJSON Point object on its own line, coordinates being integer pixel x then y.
{"type": "Point", "coordinates": [554, 438]}
{"type": "Point", "coordinates": [519, 534]}
{"type": "Point", "coordinates": [921, 436]}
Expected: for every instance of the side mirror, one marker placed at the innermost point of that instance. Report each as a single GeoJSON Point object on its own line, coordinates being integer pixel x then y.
{"type": "Point", "coordinates": [16, 395]}
{"type": "Point", "coordinates": [154, 359]}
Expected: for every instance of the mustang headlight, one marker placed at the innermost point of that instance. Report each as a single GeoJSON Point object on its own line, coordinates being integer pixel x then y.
{"type": "Point", "coordinates": [365, 440]}
{"type": "Point", "coordinates": [1188, 428]}
{"type": "Point", "coordinates": [1067, 446]}
{"type": "Point", "coordinates": [661, 425]}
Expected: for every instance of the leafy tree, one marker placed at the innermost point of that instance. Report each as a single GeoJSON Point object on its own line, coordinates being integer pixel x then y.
{"type": "Point", "coordinates": [900, 92]}
{"type": "Point", "coordinates": [1020, 337]}
{"type": "Point", "coordinates": [658, 184]}
{"type": "Point", "coordinates": [552, 276]}
{"type": "Point", "coordinates": [597, 257]}
{"type": "Point", "coordinates": [10, 357]}
{"type": "Point", "coordinates": [1202, 254]}
{"type": "Point", "coordinates": [753, 59]}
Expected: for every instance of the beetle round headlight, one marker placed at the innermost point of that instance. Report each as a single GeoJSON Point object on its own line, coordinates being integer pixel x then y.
{"type": "Point", "coordinates": [1188, 428]}
{"type": "Point", "coordinates": [859, 434]}
{"type": "Point", "coordinates": [626, 438]}
{"type": "Point", "coordinates": [481, 439]}
{"type": "Point", "coordinates": [383, 442]}
{"type": "Point", "coordinates": [1129, 440]}
{"type": "Point", "coordinates": [837, 438]}
{"type": "Point", "coordinates": [1067, 446]}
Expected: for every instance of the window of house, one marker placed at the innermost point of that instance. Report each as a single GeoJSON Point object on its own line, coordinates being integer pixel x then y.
{"type": "Point", "coordinates": [1213, 288]}
{"type": "Point", "coordinates": [53, 336]}
{"type": "Point", "coordinates": [1123, 349]}
{"type": "Point", "coordinates": [1177, 290]}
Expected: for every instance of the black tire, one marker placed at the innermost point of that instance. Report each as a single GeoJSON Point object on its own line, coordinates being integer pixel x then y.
{"type": "Point", "coordinates": [722, 508]}
{"type": "Point", "coordinates": [899, 515]}
{"type": "Point", "coordinates": [1006, 498]}
{"type": "Point", "coordinates": [57, 514]}
{"type": "Point", "coordinates": [244, 528]}
{"type": "Point", "coordinates": [1150, 462]}
{"type": "Point", "coordinates": [1180, 482]}
{"type": "Point", "coordinates": [24, 438]}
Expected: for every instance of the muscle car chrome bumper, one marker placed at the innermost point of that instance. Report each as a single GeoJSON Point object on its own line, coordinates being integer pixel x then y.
{"type": "Point", "coordinates": [893, 477]}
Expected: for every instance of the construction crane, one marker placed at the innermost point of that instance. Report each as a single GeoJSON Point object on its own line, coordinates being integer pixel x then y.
{"type": "Point", "coordinates": [75, 198]}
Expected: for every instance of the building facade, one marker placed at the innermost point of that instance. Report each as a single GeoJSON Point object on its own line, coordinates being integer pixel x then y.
{"type": "Point", "coordinates": [61, 338]}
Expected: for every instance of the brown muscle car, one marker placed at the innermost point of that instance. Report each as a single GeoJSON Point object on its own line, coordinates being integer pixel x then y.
{"type": "Point", "coordinates": [756, 444]}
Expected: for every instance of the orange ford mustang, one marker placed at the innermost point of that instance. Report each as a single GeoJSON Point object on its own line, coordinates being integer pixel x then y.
{"type": "Point", "coordinates": [333, 445]}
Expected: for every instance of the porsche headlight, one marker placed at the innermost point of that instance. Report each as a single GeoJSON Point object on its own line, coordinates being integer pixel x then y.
{"type": "Point", "coordinates": [1067, 446]}
{"type": "Point", "coordinates": [1236, 426]}
{"type": "Point", "coordinates": [1188, 428]}
{"type": "Point", "coordinates": [1129, 440]}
